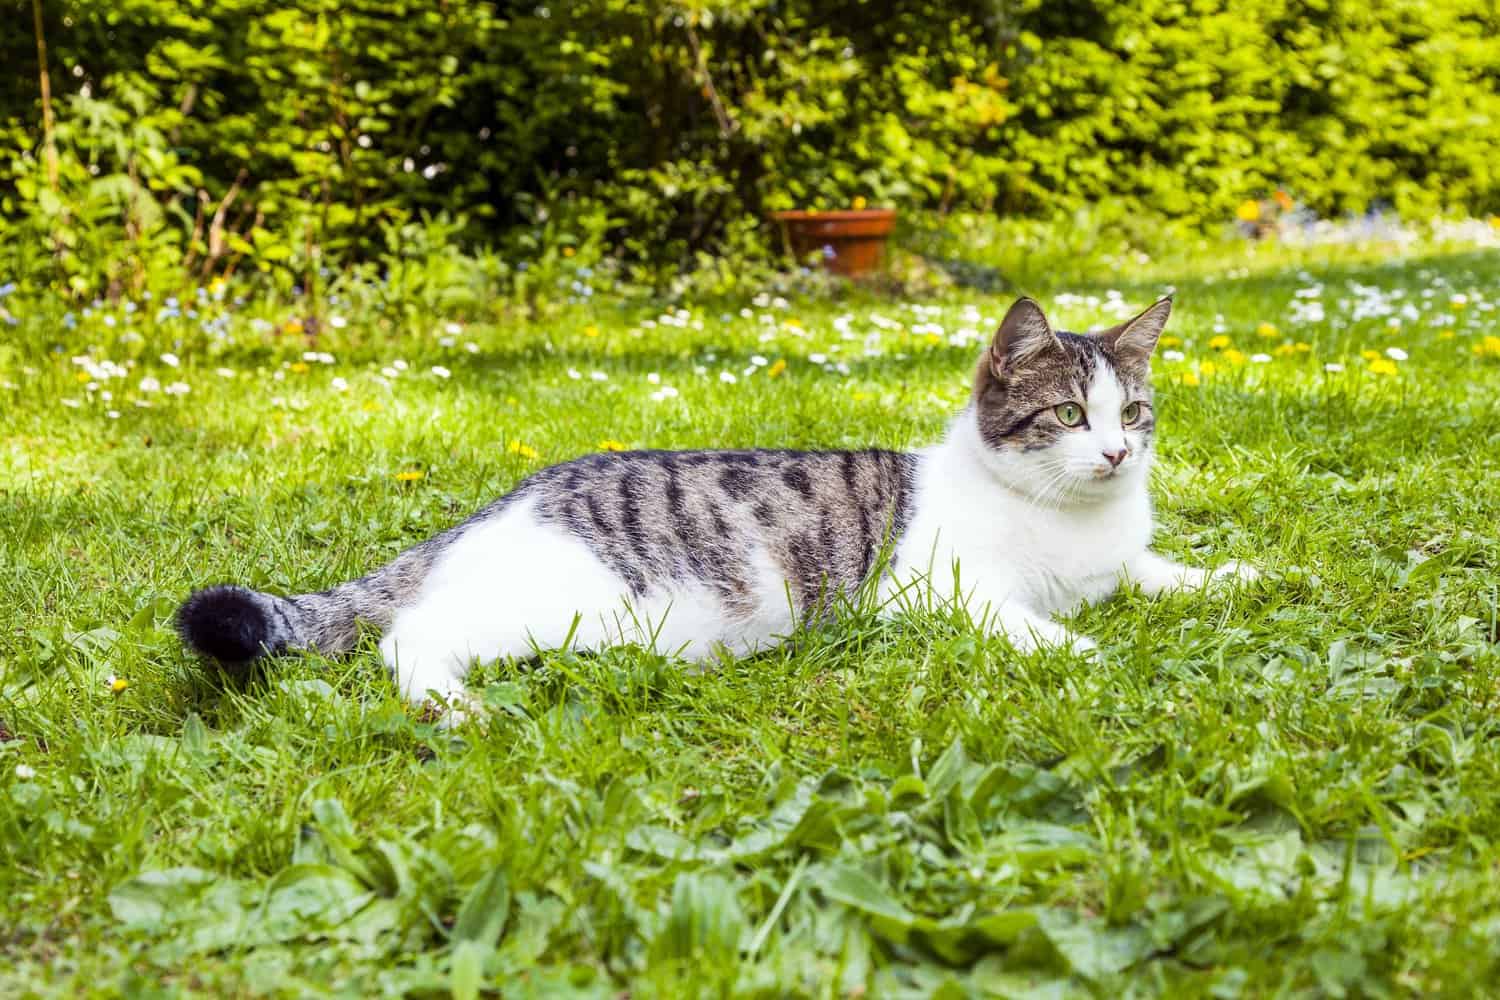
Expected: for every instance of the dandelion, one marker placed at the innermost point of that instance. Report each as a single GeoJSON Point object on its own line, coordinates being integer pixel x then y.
{"type": "Point", "coordinates": [568, 251]}
{"type": "Point", "coordinates": [525, 451]}
{"type": "Point", "coordinates": [440, 371]}
{"type": "Point", "coordinates": [298, 367]}
{"type": "Point", "coordinates": [372, 407]}
{"type": "Point", "coordinates": [1383, 366]}
{"type": "Point", "coordinates": [1267, 330]}
{"type": "Point", "coordinates": [1170, 341]}
{"type": "Point", "coordinates": [25, 772]}
{"type": "Point", "coordinates": [1234, 357]}
{"type": "Point", "coordinates": [1396, 354]}
{"type": "Point", "coordinates": [1219, 343]}
{"type": "Point", "coordinates": [410, 476]}
{"type": "Point", "coordinates": [777, 367]}
{"type": "Point", "coordinates": [610, 444]}
{"type": "Point", "coordinates": [1370, 355]}
{"type": "Point", "coordinates": [115, 684]}
{"type": "Point", "coordinates": [1188, 378]}
{"type": "Point", "coordinates": [1249, 211]}
{"type": "Point", "coordinates": [1488, 348]}
{"type": "Point", "coordinates": [591, 331]}
{"type": "Point", "coordinates": [1207, 369]}
{"type": "Point", "coordinates": [292, 326]}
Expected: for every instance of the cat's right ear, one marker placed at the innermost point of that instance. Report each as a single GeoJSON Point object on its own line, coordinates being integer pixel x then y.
{"type": "Point", "coordinates": [1024, 333]}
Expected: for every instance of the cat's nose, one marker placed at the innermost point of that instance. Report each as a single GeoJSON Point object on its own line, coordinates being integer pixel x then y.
{"type": "Point", "coordinates": [1116, 457]}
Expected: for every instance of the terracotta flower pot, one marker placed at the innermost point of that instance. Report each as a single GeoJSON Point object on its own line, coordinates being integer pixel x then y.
{"type": "Point", "coordinates": [850, 243]}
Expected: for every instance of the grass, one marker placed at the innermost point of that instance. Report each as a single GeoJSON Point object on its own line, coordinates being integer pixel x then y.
{"type": "Point", "coordinates": [1285, 790]}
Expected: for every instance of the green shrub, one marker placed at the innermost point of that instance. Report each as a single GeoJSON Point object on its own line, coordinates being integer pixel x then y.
{"type": "Point", "coordinates": [647, 137]}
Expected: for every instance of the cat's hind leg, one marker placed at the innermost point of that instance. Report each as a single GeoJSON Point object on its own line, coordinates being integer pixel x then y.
{"type": "Point", "coordinates": [509, 587]}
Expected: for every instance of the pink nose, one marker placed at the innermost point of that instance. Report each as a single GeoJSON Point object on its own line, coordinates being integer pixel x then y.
{"type": "Point", "coordinates": [1116, 457]}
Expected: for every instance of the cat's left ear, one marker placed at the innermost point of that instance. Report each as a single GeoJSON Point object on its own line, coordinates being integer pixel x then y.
{"type": "Point", "coordinates": [1135, 339]}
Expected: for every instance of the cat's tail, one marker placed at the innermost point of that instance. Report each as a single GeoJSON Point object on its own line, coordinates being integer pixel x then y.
{"type": "Point", "coordinates": [236, 625]}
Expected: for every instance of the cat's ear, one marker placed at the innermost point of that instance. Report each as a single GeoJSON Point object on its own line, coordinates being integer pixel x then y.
{"type": "Point", "coordinates": [1023, 335]}
{"type": "Point", "coordinates": [1135, 339]}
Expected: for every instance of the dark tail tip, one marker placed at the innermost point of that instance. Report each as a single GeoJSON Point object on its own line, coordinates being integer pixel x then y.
{"type": "Point", "coordinates": [229, 624]}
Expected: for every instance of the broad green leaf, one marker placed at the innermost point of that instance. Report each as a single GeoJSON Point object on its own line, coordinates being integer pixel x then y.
{"type": "Point", "coordinates": [481, 919]}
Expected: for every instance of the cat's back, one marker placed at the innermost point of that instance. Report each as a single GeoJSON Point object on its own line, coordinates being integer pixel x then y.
{"type": "Point", "coordinates": [716, 516]}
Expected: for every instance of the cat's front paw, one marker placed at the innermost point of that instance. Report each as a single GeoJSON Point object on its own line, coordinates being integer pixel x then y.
{"type": "Point", "coordinates": [1234, 571]}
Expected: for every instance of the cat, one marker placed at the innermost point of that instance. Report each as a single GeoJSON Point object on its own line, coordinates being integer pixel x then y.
{"type": "Point", "coordinates": [1034, 502]}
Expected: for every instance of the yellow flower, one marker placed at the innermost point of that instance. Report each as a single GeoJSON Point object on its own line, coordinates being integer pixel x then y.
{"type": "Point", "coordinates": [1207, 369]}
{"type": "Point", "coordinates": [1267, 330]}
{"type": "Point", "coordinates": [1170, 342]}
{"type": "Point", "coordinates": [372, 407]}
{"type": "Point", "coordinates": [410, 476]}
{"type": "Point", "coordinates": [118, 684]}
{"type": "Point", "coordinates": [860, 397]}
{"type": "Point", "coordinates": [1489, 348]}
{"type": "Point", "coordinates": [299, 367]}
{"type": "Point", "coordinates": [608, 444]}
{"type": "Point", "coordinates": [568, 251]}
{"type": "Point", "coordinates": [934, 339]}
{"type": "Point", "coordinates": [793, 322]}
{"type": "Point", "coordinates": [1234, 357]}
{"type": "Point", "coordinates": [859, 202]}
{"type": "Point", "coordinates": [525, 451]}
{"type": "Point", "coordinates": [1383, 366]}
{"type": "Point", "coordinates": [81, 376]}
{"type": "Point", "coordinates": [591, 331]}
{"type": "Point", "coordinates": [292, 326]}
{"type": "Point", "coordinates": [1249, 211]}
{"type": "Point", "coordinates": [1370, 355]}
{"type": "Point", "coordinates": [1188, 378]}
{"type": "Point", "coordinates": [777, 367]}
{"type": "Point", "coordinates": [1285, 349]}
{"type": "Point", "coordinates": [1302, 348]}
{"type": "Point", "coordinates": [1219, 343]}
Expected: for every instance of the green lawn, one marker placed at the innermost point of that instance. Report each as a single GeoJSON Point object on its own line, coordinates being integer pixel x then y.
{"type": "Point", "coordinates": [1287, 789]}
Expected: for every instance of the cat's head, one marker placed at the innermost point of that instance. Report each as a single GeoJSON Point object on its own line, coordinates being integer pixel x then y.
{"type": "Point", "coordinates": [1065, 417]}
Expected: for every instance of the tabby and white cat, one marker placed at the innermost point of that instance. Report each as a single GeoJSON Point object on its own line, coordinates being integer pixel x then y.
{"type": "Point", "coordinates": [1034, 502]}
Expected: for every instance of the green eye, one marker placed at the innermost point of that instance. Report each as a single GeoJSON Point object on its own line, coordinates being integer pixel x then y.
{"type": "Point", "coordinates": [1131, 413]}
{"type": "Point", "coordinates": [1071, 414]}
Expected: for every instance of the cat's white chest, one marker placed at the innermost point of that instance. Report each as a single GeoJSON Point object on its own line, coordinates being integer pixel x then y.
{"type": "Point", "coordinates": [1005, 548]}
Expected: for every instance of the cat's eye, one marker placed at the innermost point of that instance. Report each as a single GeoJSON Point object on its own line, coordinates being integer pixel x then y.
{"type": "Point", "coordinates": [1071, 414]}
{"type": "Point", "coordinates": [1131, 413]}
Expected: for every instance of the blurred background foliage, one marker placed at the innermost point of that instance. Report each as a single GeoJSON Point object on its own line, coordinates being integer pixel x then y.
{"type": "Point", "coordinates": [189, 141]}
